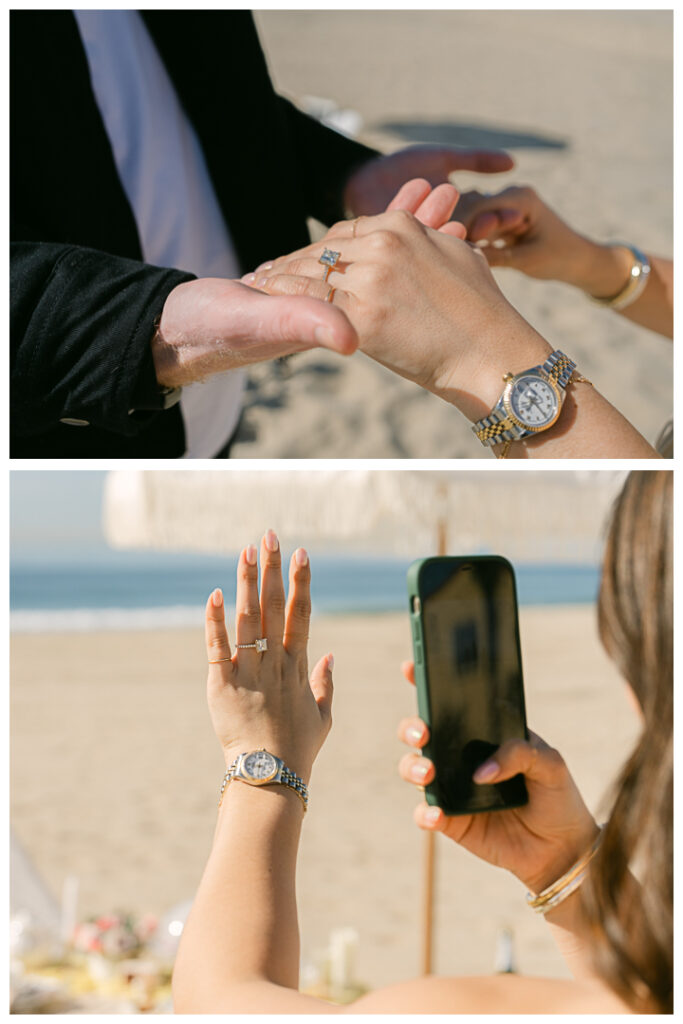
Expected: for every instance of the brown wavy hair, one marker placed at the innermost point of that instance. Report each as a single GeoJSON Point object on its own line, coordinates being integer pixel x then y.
{"type": "Point", "coordinates": [631, 922]}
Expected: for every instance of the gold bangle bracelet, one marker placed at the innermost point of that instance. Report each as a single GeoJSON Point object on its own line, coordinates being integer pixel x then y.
{"type": "Point", "coordinates": [565, 885]}
{"type": "Point", "coordinates": [638, 277]}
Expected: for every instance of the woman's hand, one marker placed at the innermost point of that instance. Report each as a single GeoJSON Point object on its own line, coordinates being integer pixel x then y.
{"type": "Point", "coordinates": [538, 842]}
{"type": "Point", "coordinates": [424, 304]}
{"type": "Point", "coordinates": [518, 229]}
{"type": "Point", "coordinates": [266, 699]}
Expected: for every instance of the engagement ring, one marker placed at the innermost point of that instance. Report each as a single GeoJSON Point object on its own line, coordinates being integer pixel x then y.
{"type": "Point", "coordinates": [329, 260]}
{"type": "Point", "coordinates": [258, 645]}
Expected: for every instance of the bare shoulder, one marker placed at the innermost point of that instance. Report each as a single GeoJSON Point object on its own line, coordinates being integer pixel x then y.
{"type": "Point", "coordinates": [503, 993]}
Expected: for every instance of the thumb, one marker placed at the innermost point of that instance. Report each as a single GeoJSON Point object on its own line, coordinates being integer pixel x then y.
{"type": "Point", "coordinates": [309, 323]}
{"type": "Point", "coordinates": [533, 758]}
{"type": "Point", "coordinates": [321, 685]}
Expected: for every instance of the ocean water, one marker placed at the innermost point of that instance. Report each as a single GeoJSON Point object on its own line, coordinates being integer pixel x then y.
{"type": "Point", "coordinates": [170, 591]}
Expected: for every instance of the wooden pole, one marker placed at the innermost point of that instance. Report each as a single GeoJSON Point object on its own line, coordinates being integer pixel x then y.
{"type": "Point", "coordinates": [429, 846]}
{"type": "Point", "coordinates": [428, 871]}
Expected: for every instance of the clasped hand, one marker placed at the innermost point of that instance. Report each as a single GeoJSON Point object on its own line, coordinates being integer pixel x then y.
{"type": "Point", "coordinates": [422, 300]}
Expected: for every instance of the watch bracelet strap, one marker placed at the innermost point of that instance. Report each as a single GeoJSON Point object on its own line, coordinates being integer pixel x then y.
{"type": "Point", "coordinates": [559, 368]}
{"type": "Point", "coordinates": [492, 429]}
{"type": "Point", "coordinates": [496, 428]}
{"type": "Point", "coordinates": [287, 778]}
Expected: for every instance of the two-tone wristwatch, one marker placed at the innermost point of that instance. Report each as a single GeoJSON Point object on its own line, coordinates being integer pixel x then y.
{"type": "Point", "coordinates": [531, 401]}
{"type": "Point", "coordinates": [261, 768]}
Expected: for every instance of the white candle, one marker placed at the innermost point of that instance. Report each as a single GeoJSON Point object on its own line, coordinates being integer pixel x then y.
{"type": "Point", "coordinates": [343, 945]}
{"type": "Point", "coordinates": [69, 907]}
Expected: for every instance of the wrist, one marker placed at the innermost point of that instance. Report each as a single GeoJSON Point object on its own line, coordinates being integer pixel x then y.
{"type": "Point", "coordinates": [186, 347]}
{"type": "Point", "coordinates": [475, 382]}
{"type": "Point", "coordinates": [567, 854]}
{"type": "Point", "coordinates": [600, 270]}
{"type": "Point", "coordinates": [269, 811]}
{"type": "Point", "coordinates": [169, 350]}
{"type": "Point", "coordinates": [294, 759]}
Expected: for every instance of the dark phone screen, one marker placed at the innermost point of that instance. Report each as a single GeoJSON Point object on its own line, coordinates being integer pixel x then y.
{"type": "Point", "coordinates": [474, 676]}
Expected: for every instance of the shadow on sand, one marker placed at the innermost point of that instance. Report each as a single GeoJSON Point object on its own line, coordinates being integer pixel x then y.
{"type": "Point", "coordinates": [459, 133]}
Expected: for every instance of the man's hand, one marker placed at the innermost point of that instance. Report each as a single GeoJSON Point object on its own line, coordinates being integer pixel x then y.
{"type": "Point", "coordinates": [212, 325]}
{"type": "Point", "coordinates": [370, 189]}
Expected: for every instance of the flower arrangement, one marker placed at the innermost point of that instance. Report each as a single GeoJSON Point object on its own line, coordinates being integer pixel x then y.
{"type": "Point", "coordinates": [114, 936]}
{"type": "Point", "coordinates": [110, 964]}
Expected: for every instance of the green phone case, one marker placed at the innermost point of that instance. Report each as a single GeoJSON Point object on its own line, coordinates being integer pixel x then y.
{"type": "Point", "coordinates": [416, 626]}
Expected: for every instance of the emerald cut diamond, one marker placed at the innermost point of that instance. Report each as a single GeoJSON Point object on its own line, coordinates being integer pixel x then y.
{"type": "Point", "coordinates": [329, 257]}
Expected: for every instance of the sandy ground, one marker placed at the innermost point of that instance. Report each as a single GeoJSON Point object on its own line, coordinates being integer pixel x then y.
{"type": "Point", "coordinates": [115, 773]}
{"type": "Point", "coordinates": [582, 100]}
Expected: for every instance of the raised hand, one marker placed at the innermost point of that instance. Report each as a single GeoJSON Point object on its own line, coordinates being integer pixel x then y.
{"type": "Point", "coordinates": [268, 699]}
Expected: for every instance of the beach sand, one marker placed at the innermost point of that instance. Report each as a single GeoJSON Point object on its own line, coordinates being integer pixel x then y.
{"type": "Point", "coordinates": [115, 774]}
{"type": "Point", "coordinates": [581, 99]}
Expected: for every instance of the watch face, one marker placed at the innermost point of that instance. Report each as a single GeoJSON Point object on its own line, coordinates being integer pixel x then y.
{"type": "Point", "coordinates": [534, 402]}
{"type": "Point", "coordinates": [259, 765]}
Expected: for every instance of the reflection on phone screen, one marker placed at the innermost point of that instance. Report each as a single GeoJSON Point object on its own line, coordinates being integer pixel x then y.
{"type": "Point", "coordinates": [475, 681]}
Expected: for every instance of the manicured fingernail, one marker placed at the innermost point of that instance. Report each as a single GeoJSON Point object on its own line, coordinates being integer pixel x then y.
{"type": "Point", "coordinates": [487, 771]}
{"type": "Point", "coordinates": [412, 733]}
{"type": "Point", "coordinates": [250, 554]}
{"type": "Point", "coordinates": [330, 662]}
{"type": "Point", "coordinates": [266, 266]}
{"type": "Point", "coordinates": [248, 278]}
{"type": "Point", "coordinates": [419, 770]}
{"type": "Point", "coordinates": [271, 540]}
{"type": "Point", "coordinates": [324, 336]}
{"type": "Point", "coordinates": [432, 814]}
{"type": "Point", "coordinates": [301, 557]}
{"type": "Point", "coordinates": [262, 282]}
{"type": "Point", "coordinates": [217, 598]}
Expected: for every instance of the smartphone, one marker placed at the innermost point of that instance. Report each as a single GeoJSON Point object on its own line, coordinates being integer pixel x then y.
{"type": "Point", "coordinates": [468, 674]}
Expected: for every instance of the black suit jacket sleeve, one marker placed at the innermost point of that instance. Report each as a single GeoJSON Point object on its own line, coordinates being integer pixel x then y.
{"type": "Point", "coordinates": [82, 322]}
{"type": "Point", "coordinates": [83, 302]}
{"type": "Point", "coordinates": [326, 160]}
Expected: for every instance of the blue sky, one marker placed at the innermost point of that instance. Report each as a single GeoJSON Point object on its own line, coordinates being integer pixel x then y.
{"type": "Point", "coordinates": [56, 514]}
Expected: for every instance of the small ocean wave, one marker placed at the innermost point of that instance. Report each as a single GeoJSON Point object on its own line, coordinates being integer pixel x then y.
{"type": "Point", "coordinates": [84, 620]}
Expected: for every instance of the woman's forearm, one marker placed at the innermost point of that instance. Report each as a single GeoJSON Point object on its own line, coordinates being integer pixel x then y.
{"type": "Point", "coordinates": [570, 933]}
{"type": "Point", "coordinates": [243, 925]}
{"type": "Point", "coordinates": [588, 427]}
{"type": "Point", "coordinates": [602, 271]}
